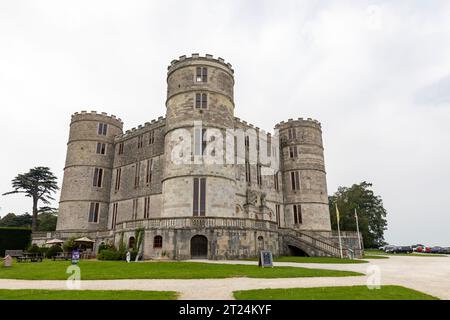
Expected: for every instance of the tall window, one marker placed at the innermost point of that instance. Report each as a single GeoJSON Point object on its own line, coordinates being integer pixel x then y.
{"type": "Point", "coordinates": [275, 182]}
{"type": "Point", "coordinates": [151, 139]}
{"type": "Point", "coordinates": [157, 242]}
{"type": "Point", "coordinates": [140, 141]}
{"type": "Point", "coordinates": [101, 148]}
{"type": "Point", "coordinates": [135, 208]}
{"type": "Point", "coordinates": [98, 177]}
{"type": "Point", "coordinates": [118, 176]}
{"type": "Point", "coordinates": [137, 174]}
{"type": "Point", "coordinates": [293, 152]}
{"type": "Point", "coordinates": [121, 148]}
{"type": "Point", "coordinates": [248, 176]}
{"type": "Point", "coordinates": [146, 207]}
{"type": "Point", "coordinates": [297, 209]}
{"type": "Point", "coordinates": [93, 212]}
{"type": "Point", "coordinates": [295, 180]}
{"type": "Point", "coordinates": [202, 74]}
{"type": "Point", "coordinates": [247, 142]}
{"type": "Point", "coordinates": [277, 213]}
{"type": "Point", "coordinates": [200, 141]}
{"type": "Point", "coordinates": [201, 100]}
{"type": "Point", "coordinates": [102, 129]}
{"type": "Point", "coordinates": [199, 197]}
{"type": "Point", "coordinates": [114, 216]}
{"type": "Point", "coordinates": [258, 174]}
{"type": "Point", "coordinates": [292, 133]}
{"type": "Point", "coordinates": [148, 176]}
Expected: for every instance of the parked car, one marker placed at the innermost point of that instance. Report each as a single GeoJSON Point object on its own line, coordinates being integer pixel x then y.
{"type": "Point", "coordinates": [427, 250]}
{"type": "Point", "coordinates": [418, 249]}
{"type": "Point", "coordinates": [437, 250]}
{"type": "Point", "coordinates": [446, 250]}
{"type": "Point", "coordinates": [388, 249]}
{"type": "Point", "coordinates": [402, 249]}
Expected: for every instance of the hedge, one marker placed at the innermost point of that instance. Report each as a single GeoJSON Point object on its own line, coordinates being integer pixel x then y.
{"type": "Point", "coordinates": [14, 239]}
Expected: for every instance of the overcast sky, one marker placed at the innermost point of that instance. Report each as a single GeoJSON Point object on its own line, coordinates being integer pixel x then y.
{"type": "Point", "coordinates": [375, 73]}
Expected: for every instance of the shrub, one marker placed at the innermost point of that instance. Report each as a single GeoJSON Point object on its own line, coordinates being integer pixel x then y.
{"type": "Point", "coordinates": [107, 246]}
{"type": "Point", "coordinates": [111, 254]}
{"type": "Point", "coordinates": [14, 239]}
{"type": "Point", "coordinates": [34, 248]}
{"type": "Point", "coordinates": [70, 244]}
{"type": "Point", "coordinates": [53, 251]}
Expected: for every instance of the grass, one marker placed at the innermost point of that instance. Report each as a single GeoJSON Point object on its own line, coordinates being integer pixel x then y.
{"type": "Point", "coordinates": [312, 260]}
{"type": "Point", "coordinates": [86, 295]}
{"type": "Point", "coordinates": [414, 254]}
{"type": "Point", "coordinates": [108, 270]}
{"type": "Point", "coordinates": [334, 293]}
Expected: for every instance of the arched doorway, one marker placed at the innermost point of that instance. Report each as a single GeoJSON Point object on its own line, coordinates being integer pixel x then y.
{"type": "Point", "coordinates": [199, 247]}
{"type": "Point", "coordinates": [131, 243]}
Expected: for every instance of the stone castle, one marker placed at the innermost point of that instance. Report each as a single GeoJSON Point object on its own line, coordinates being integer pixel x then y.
{"type": "Point", "coordinates": [118, 182]}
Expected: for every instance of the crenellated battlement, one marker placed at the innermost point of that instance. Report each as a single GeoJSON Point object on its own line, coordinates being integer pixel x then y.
{"type": "Point", "coordinates": [184, 60]}
{"type": "Point", "coordinates": [142, 128]}
{"type": "Point", "coordinates": [94, 115]}
{"type": "Point", "coordinates": [300, 122]}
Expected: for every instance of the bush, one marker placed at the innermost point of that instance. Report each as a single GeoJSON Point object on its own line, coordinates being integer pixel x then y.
{"type": "Point", "coordinates": [111, 254]}
{"type": "Point", "coordinates": [34, 248]}
{"type": "Point", "coordinates": [106, 246]}
{"type": "Point", "coordinates": [70, 244]}
{"type": "Point", "coordinates": [14, 239]}
{"type": "Point", "coordinates": [53, 251]}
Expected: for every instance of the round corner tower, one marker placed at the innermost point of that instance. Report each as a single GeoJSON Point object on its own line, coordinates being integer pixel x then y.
{"type": "Point", "coordinates": [199, 98]}
{"type": "Point", "coordinates": [85, 190]}
{"type": "Point", "coordinates": [304, 176]}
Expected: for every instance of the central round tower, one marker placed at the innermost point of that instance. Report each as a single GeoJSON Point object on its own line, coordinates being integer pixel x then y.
{"type": "Point", "coordinates": [200, 108]}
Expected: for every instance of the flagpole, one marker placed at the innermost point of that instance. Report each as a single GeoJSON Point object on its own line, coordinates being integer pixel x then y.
{"type": "Point", "coordinates": [339, 232]}
{"type": "Point", "coordinates": [357, 230]}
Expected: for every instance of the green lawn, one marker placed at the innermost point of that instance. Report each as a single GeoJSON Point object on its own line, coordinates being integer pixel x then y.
{"type": "Point", "coordinates": [334, 293]}
{"type": "Point", "coordinates": [86, 295]}
{"type": "Point", "coordinates": [312, 260]}
{"type": "Point", "coordinates": [103, 270]}
{"type": "Point", "coordinates": [414, 254]}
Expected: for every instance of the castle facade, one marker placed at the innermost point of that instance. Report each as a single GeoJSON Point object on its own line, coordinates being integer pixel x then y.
{"type": "Point", "coordinates": [198, 182]}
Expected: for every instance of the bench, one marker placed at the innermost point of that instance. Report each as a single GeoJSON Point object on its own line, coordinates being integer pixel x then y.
{"type": "Point", "coordinates": [62, 256]}
{"type": "Point", "coordinates": [32, 257]}
{"type": "Point", "coordinates": [14, 253]}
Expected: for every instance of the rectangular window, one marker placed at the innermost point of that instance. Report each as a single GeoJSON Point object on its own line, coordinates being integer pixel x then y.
{"type": "Point", "coordinates": [118, 176]}
{"type": "Point", "coordinates": [292, 133]}
{"type": "Point", "coordinates": [137, 172]}
{"type": "Point", "coordinates": [121, 148]}
{"type": "Point", "coordinates": [102, 129]}
{"type": "Point", "coordinates": [277, 213]}
{"type": "Point", "coordinates": [293, 152]}
{"type": "Point", "coordinates": [295, 180]}
{"type": "Point", "coordinates": [147, 208]}
{"type": "Point", "coordinates": [140, 141]}
{"type": "Point", "coordinates": [93, 212]}
{"type": "Point", "coordinates": [101, 148]}
{"type": "Point", "coordinates": [114, 216]}
{"type": "Point", "coordinates": [98, 177]}
{"type": "Point", "coordinates": [202, 74]}
{"type": "Point", "coordinates": [258, 174]}
{"type": "Point", "coordinates": [297, 209]}
{"type": "Point", "coordinates": [151, 139]}
{"type": "Point", "coordinates": [148, 176]}
{"type": "Point", "coordinates": [275, 182]}
{"type": "Point", "coordinates": [199, 197]}
{"type": "Point", "coordinates": [135, 209]}
{"type": "Point", "coordinates": [201, 100]}
{"type": "Point", "coordinates": [248, 176]}
{"type": "Point", "coordinates": [200, 141]}
{"type": "Point", "coordinates": [247, 142]}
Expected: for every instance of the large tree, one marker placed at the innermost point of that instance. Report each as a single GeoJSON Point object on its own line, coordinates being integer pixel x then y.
{"type": "Point", "coordinates": [12, 220]}
{"type": "Point", "coordinates": [371, 213]}
{"type": "Point", "coordinates": [39, 184]}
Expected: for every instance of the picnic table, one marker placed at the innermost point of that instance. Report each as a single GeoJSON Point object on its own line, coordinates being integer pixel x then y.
{"type": "Point", "coordinates": [32, 257]}
{"type": "Point", "coordinates": [62, 256]}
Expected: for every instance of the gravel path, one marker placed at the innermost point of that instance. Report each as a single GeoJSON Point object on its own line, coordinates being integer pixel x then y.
{"type": "Point", "coordinates": [427, 274]}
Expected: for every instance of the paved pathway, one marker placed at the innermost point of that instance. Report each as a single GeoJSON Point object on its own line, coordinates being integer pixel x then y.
{"type": "Point", "coordinates": [427, 274]}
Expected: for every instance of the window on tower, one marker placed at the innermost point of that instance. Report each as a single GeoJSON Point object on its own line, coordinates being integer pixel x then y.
{"type": "Point", "coordinates": [93, 212]}
{"type": "Point", "coordinates": [102, 129]}
{"type": "Point", "coordinates": [199, 197]}
{"type": "Point", "coordinates": [202, 74]}
{"type": "Point", "coordinates": [201, 100]}
{"type": "Point", "coordinates": [98, 177]}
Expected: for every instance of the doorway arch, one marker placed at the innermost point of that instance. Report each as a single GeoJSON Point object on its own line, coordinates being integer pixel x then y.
{"type": "Point", "coordinates": [199, 247]}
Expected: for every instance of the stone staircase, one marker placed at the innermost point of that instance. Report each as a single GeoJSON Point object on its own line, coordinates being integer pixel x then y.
{"type": "Point", "coordinates": [315, 244]}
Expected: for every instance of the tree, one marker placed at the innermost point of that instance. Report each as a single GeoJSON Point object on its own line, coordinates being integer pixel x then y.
{"type": "Point", "coordinates": [39, 184]}
{"type": "Point", "coordinates": [371, 213]}
{"type": "Point", "coordinates": [47, 221]}
{"type": "Point", "coordinates": [12, 220]}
